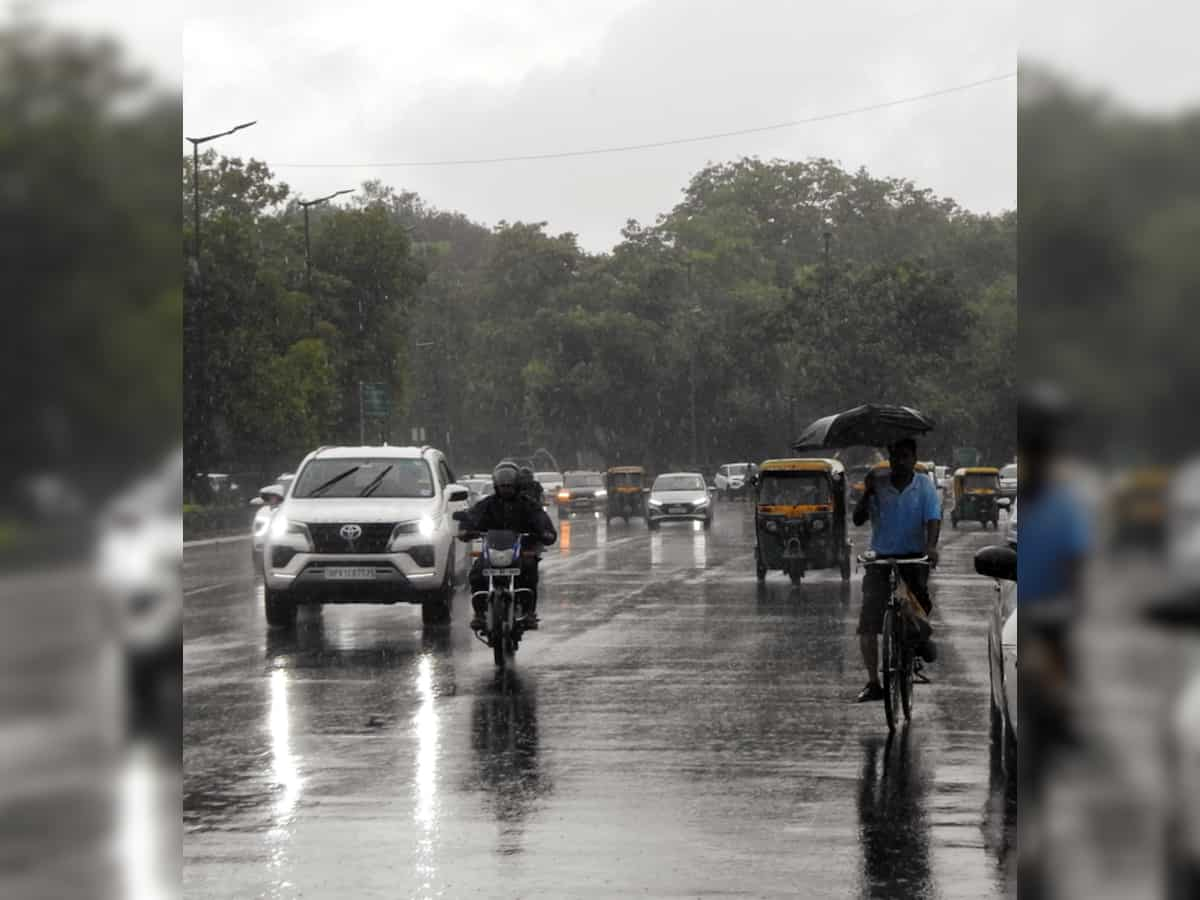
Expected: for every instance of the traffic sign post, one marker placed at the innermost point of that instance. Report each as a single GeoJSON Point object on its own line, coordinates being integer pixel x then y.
{"type": "Point", "coordinates": [374, 402]}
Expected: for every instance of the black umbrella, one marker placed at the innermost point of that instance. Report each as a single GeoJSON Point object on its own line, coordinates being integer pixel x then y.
{"type": "Point", "coordinates": [870, 425]}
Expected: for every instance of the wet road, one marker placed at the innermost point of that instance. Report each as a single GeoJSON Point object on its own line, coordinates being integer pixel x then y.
{"type": "Point", "coordinates": [672, 731]}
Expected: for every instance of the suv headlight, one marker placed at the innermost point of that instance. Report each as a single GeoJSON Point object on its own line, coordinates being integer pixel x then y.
{"type": "Point", "coordinates": [426, 527]}
{"type": "Point", "coordinates": [284, 530]}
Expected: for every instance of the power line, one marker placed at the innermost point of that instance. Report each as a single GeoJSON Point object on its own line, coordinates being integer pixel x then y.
{"type": "Point", "coordinates": [566, 154]}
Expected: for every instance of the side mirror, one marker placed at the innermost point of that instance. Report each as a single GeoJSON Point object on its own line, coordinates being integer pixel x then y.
{"type": "Point", "coordinates": [257, 501]}
{"type": "Point", "coordinates": [997, 562]}
{"type": "Point", "coordinates": [459, 515]}
{"type": "Point", "coordinates": [272, 495]}
{"type": "Point", "coordinates": [456, 493]}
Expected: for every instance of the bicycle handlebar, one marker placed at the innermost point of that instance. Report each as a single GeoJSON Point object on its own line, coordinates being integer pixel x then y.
{"type": "Point", "coordinates": [899, 560]}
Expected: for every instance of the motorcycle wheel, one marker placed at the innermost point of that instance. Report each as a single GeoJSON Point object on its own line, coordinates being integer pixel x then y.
{"type": "Point", "coordinates": [891, 659]}
{"type": "Point", "coordinates": [796, 573]}
{"type": "Point", "coordinates": [845, 566]}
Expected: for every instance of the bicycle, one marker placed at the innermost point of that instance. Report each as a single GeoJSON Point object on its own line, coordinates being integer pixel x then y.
{"type": "Point", "coordinates": [897, 650]}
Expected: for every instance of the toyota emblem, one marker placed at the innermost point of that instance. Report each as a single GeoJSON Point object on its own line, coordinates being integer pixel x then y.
{"type": "Point", "coordinates": [351, 532]}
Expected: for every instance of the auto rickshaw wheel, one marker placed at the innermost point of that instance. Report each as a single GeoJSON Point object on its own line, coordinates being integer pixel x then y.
{"type": "Point", "coordinates": [845, 566]}
{"type": "Point", "coordinates": [760, 571]}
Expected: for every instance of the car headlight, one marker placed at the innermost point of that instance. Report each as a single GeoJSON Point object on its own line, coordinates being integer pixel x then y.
{"type": "Point", "coordinates": [655, 503]}
{"type": "Point", "coordinates": [600, 495]}
{"type": "Point", "coordinates": [279, 527]}
{"type": "Point", "coordinates": [262, 521]}
{"type": "Point", "coordinates": [700, 504]}
{"type": "Point", "coordinates": [283, 528]}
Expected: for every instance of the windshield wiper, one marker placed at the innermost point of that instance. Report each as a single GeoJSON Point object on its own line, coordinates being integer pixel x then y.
{"type": "Point", "coordinates": [332, 481]}
{"type": "Point", "coordinates": [375, 482]}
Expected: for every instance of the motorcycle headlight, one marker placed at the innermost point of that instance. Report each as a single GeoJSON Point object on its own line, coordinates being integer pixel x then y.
{"type": "Point", "coordinates": [500, 558]}
{"type": "Point", "coordinates": [426, 526]}
{"type": "Point", "coordinates": [262, 521]}
{"type": "Point", "coordinates": [279, 527]}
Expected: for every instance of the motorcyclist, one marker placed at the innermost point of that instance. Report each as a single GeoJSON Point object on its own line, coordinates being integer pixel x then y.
{"type": "Point", "coordinates": [529, 486]}
{"type": "Point", "coordinates": [507, 510]}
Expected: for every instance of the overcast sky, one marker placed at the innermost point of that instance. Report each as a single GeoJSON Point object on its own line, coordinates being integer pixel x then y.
{"type": "Point", "coordinates": [360, 81]}
{"type": "Point", "coordinates": [371, 81]}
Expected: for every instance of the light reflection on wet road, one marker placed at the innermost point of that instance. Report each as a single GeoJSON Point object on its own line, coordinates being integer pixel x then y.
{"type": "Point", "coordinates": [673, 730]}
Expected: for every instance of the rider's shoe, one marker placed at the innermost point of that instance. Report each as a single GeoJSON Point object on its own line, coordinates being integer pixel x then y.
{"type": "Point", "coordinates": [478, 624]}
{"type": "Point", "coordinates": [531, 621]}
{"type": "Point", "coordinates": [928, 651]}
{"type": "Point", "coordinates": [919, 676]}
{"type": "Point", "coordinates": [871, 693]}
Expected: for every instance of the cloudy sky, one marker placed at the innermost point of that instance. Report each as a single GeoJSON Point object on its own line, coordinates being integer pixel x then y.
{"type": "Point", "coordinates": [341, 89]}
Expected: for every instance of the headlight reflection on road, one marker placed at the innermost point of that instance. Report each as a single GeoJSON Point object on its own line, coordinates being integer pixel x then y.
{"type": "Point", "coordinates": [656, 549]}
{"type": "Point", "coordinates": [145, 836]}
{"type": "Point", "coordinates": [284, 772]}
{"type": "Point", "coordinates": [699, 546]}
{"type": "Point", "coordinates": [425, 726]}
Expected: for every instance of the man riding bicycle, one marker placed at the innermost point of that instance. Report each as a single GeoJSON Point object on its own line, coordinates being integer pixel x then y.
{"type": "Point", "coordinates": [906, 519]}
{"type": "Point", "coordinates": [507, 510]}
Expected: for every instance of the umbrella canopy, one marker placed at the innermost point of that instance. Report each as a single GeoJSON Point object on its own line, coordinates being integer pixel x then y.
{"type": "Point", "coordinates": [870, 425]}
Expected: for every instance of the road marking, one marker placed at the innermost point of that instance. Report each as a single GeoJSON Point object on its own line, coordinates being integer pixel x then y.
{"type": "Point", "coordinates": [208, 587]}
{"type": "Point", "coordinates": [221, 540]}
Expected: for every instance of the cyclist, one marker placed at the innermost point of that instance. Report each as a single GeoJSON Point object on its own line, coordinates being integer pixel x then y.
{"type": "Point", "coordinates": [906, 519]}
{"type": "Point", "coordinates": [507, 510]}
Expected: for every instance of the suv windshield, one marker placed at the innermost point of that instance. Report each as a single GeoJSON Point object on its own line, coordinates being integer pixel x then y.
{"type": "Point", "coordinates": [370, 477]}
{"type": "Point", "coordinates": [679, 483]}
{"type": "Point", "coordinates": [737, 469]}
{"type": "Point", "coordinates": [583, 479]}
{"type": "Point", "coordinates": [794, 490]}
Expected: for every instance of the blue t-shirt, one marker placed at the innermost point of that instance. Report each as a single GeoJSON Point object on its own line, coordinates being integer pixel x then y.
{"type": "Point", "coordinates": [1054, 532]}
{"type": "Point", "coordinates": [898, 517]}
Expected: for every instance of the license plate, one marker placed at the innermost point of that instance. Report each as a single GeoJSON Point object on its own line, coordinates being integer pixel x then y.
{"type": "Point", "coordinates": [677, 510]}
{"type": "Point", "coordinates": [501, 573]}
{"type": "Point", "coordinates": [350, 573]}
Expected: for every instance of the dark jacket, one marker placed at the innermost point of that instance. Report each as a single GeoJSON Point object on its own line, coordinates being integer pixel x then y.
{"type": "Point", "coordinates": [519, 514]}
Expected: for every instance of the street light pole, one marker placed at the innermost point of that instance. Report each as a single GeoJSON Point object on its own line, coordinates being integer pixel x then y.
{"type": "Point", "coordinates": [200, 366]}
{"type": "Point", "coordinates": [307, 245]}
{"type": "Point", "coordinates": [828, 234]}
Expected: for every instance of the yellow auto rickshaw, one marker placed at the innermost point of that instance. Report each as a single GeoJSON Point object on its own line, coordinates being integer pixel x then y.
{"type": "Point", "coordinates": [1138, 508]}
{"type": "Point", "coordinates": [800, 518]}
{"type": "Point", "coordinates": [976, 496]}
{"type": "Point", "coordinates": [626, 493]}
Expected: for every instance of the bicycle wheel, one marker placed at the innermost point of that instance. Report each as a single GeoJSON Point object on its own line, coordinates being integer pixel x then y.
{"type": "Point", "coordinates": [906, 679]}
{"type": "Point", "coordinates": [891, 668]}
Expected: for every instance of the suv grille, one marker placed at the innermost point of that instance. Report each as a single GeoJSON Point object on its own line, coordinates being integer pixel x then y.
{"type": "Point", "coordinates": [375, 536]}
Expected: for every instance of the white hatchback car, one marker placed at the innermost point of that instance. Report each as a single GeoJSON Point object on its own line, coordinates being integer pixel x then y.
{"type": "Point", "coordinates": [366, 525]}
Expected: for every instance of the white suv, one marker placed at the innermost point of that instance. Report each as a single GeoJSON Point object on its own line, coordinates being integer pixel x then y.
{"type": "Point", "coordinates": [366, 525]}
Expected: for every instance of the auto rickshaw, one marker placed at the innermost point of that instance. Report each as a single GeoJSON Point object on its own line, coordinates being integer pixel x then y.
{"type": "Point", "coordinates": [800, 518]}
{"type": "Point", "coordinates": [626, 493]}
{"type": "Point", "coordinates": [976, 496]}
{"type": "Point", "coordinates": [1138, 508]}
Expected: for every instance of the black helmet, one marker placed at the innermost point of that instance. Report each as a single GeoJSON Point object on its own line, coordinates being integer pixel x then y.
{"type": "Point", "coordinates": [505, 474]}
{"type": "Point", "coordinates": [525, 477]}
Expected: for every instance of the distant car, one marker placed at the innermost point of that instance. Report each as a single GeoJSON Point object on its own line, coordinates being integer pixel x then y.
{"type": "Point", "coordinates": [580, 492]}
{"type": "Point", "coordinates": [1008, 484]}
{"type": "Point", "coordinates": [479, 486]}
{"type": "Point", "coordinates": [679, 496]}
{"type": "Point", "coordinates": [366, 525]}
{"type": "Point", "coordinates": [1183, 523]}
{"type": "Point", "coordinates": [733, 479]}
{"type": "Point", "coordinates": [1002, 645]}
{"type": "Point", "coordinates": [551, 482]}
{"type": "Point", "coordinates": [268, 500]}
{"type": "Point", "coordinates": [138, 564]}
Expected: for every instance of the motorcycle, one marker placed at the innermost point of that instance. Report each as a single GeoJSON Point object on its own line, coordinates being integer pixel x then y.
{"type": "Point", "coordinates": [501, 553]}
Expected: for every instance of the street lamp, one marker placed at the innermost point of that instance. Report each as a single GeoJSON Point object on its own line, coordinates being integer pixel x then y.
{"type": "Point", "coordinates": [196, 142]}
{"type": "Point", "coordinates": [307, 250]}
{"type": "Point", "coordinates": [195, 372]}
